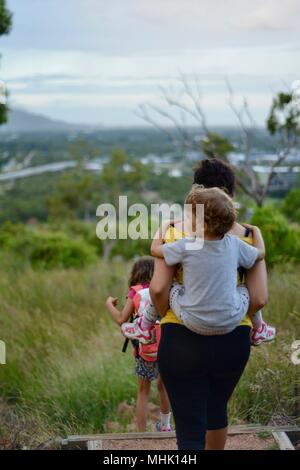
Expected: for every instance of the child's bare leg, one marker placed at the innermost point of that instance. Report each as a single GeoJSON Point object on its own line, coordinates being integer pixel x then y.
{"type": "Point", "coordinates": [149, 317]}
{"type": "Point", "coordinates": [257, 320]}
{"type": "Point", "coordinates": [142, 403]}
{"type": "Point", "coordinates": [163, 397]}
{"type": "Point", "coordinates": [175, 292]}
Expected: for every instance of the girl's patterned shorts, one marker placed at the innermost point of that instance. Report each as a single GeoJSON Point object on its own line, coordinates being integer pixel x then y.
{"type": "Point", "coordinates": [145, 369]}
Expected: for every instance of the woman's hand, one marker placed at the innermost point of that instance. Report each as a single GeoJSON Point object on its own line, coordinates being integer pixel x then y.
{"type": "Point", "coordinates": [258, 240]}
{"type": "Point", "coordinates": [250, 227]}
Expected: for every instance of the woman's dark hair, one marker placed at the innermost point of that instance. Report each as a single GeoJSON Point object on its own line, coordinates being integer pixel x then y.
{"type": "Point", "coordinates": [213, 172]}
{"type": "Point", "coordinates": [142, 271]}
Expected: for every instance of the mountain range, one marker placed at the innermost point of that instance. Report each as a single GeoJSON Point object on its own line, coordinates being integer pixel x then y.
{"type": "Point", "coordinates": [20, 121]}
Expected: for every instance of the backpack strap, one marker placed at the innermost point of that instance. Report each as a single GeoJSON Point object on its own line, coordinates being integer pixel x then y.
{"type": "Point", "coordinates": [135, 343]}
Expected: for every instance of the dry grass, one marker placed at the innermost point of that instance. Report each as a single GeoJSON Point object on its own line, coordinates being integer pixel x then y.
{"type": "Point", "coordinates": [65, 373]}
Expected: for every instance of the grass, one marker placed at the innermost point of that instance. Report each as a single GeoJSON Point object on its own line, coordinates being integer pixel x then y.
{"type": "Point", "coordinates": [65, 373]}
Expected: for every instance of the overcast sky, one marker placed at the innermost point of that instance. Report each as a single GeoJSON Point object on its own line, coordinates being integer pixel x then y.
{"type": "Point", "coordinates": [95, 61]}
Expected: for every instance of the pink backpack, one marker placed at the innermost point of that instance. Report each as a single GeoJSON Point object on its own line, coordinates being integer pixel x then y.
{"type": "Point", "coordinates": [140, 301]}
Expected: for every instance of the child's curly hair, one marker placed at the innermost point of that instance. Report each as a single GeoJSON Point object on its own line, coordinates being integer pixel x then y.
{"type": "Point", "coordinates": [219, 211]}
{"type": "Point", "coordinates": [142, 271]}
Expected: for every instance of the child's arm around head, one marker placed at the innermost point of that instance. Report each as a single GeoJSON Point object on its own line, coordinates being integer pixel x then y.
{"type": "Point", "coordinates": [119, 316]}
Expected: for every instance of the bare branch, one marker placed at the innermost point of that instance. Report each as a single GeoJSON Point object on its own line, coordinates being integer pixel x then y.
{"type": "Point", "coordinates": [281, 157]}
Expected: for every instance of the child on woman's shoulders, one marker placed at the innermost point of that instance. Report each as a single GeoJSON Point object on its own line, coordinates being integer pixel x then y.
{"type": "Point", "coordinates": [209, 302]}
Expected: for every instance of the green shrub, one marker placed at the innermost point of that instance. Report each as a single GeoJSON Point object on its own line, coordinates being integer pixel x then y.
{"type": "Point", "coordinates": [44, 249]}
{"type": "Point", "coordinates": [127, 249]}
{"type": "Point", "coordinates": [282, 240]}
{"type": "Point", "coordinates": [291, 205]}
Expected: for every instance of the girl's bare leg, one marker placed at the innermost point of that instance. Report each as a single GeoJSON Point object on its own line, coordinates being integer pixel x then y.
{"type": "Point", "coordinates": [142, 403]}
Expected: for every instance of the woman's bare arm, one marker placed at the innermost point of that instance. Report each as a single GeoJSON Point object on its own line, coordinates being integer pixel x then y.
{"type": "Point", "coordinates": [158, 240]}
{"type": "Point", "coordinates": [257, 284]}
{"type": "Point", "coordinates": [256, 278]}
{"type": "Point", "coordinates": [160, 285]}
{"type": "Point", "coordinates": [258, 241]}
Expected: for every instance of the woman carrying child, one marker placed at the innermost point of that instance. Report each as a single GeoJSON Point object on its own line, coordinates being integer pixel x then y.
{"type": "Point", "coordinates": [212, 350]}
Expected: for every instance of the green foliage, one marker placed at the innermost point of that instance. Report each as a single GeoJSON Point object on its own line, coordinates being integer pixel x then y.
{"type": "Point", "coordinates": [291, 205]}
{"type": "Point", "coordinates": [216, 146]}
{"type": "Point", "coordinates": [5, 27]}
{"type": "Point", "coordinates": [26, 198]}
{"type": "Point", "coordinates": [3, 113]}
{"type": "Point", "coordinates": [282, 240]}
{"type": "Point", "coordinates": [44, 249]}
{"type": "Point", "coordinates": [5, 18]}
{"type": "Point", "coordinates": [284, 116]}
{"type": "Point", "coordinates": [122, 175]}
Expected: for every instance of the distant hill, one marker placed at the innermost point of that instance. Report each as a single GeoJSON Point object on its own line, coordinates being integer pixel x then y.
{"type": "Point", "coordinates": [23, 121]}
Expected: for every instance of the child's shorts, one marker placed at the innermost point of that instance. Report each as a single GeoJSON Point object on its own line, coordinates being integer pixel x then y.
{"type": "Point", "coordinates": [145, 369]}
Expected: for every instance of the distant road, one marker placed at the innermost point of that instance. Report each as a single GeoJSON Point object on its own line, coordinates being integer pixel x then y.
{"type": "Point", "coordinates": [97, 166]}
{"type": "Point", "coordinates": [48, 168]}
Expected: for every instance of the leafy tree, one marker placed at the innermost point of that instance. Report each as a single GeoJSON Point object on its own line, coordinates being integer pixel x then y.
{"type": "Point", "coordinates": [291, 205]}
{"type": "Point", "coordinates": [282, 124]}
{"type": "Point", "coordinates": [75, 190]}
{"type": "Point", "coordinates": [121, 176]}
{"type": "Point", "coordinates": [5, 27]}
{"type": "Point", "coordinates": [79, 191]}
{"type": "Point", "coordinates": [282, 240]}
{"type": "Point", "coordinates": [215, 145]}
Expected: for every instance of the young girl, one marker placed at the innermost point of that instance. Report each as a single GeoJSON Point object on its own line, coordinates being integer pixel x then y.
{"type": "Point", "coordinates": [145, 356]}
{"type": "Point", "coordinates": [210, 303]}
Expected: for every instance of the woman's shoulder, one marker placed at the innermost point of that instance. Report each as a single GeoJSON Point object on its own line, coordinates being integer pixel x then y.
{"type": "Point", "coordinates": [238, 230]}
{"type": "Point", "coordinates": [173, 234]}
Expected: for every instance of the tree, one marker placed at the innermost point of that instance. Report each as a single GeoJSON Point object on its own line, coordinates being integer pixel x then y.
{"type": "Point", "coordinates": [291, 205]}
{"type": "Point", "coordinates": [121, 176]}
{"type": "Point", "coordinates": [214, 144]}
{"type": "Point", "coordinates": [75, 190]}
{"type": "Point", "coordinates": [5, 27]}
{"type": "Point", "coordinates": [79, 190]}
{"type": "Point", "coordinates": [283, 126]}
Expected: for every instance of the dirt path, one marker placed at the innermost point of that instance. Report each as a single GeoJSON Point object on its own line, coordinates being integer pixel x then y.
{"type": "Point", "coordinates": [238, 442]}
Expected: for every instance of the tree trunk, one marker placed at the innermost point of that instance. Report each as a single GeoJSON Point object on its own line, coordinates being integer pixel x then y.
{"type": "Point", "coordinates": [107, 247]}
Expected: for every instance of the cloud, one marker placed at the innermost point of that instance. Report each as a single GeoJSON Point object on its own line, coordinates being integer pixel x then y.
{"type": "Point", "coordinates": [273, 15]}
{"type": "Point", "coordinates": [141, 26]}
{"type": "Point", "coordinates": [111, 56]}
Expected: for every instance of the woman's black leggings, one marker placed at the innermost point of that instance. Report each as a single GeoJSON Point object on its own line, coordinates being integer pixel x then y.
{"type": "Point", "coordinates": [200, 374]}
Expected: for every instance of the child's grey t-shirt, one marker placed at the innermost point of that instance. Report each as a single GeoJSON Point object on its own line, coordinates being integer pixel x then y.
{"type": "Point", "coordinates": [210, 277]}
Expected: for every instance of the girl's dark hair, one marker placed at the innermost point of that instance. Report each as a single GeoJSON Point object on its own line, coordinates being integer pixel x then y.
{"type": "Point", "coordinates": [213, 172]}
{"type": "Point", "coordinates": [142, 271]}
